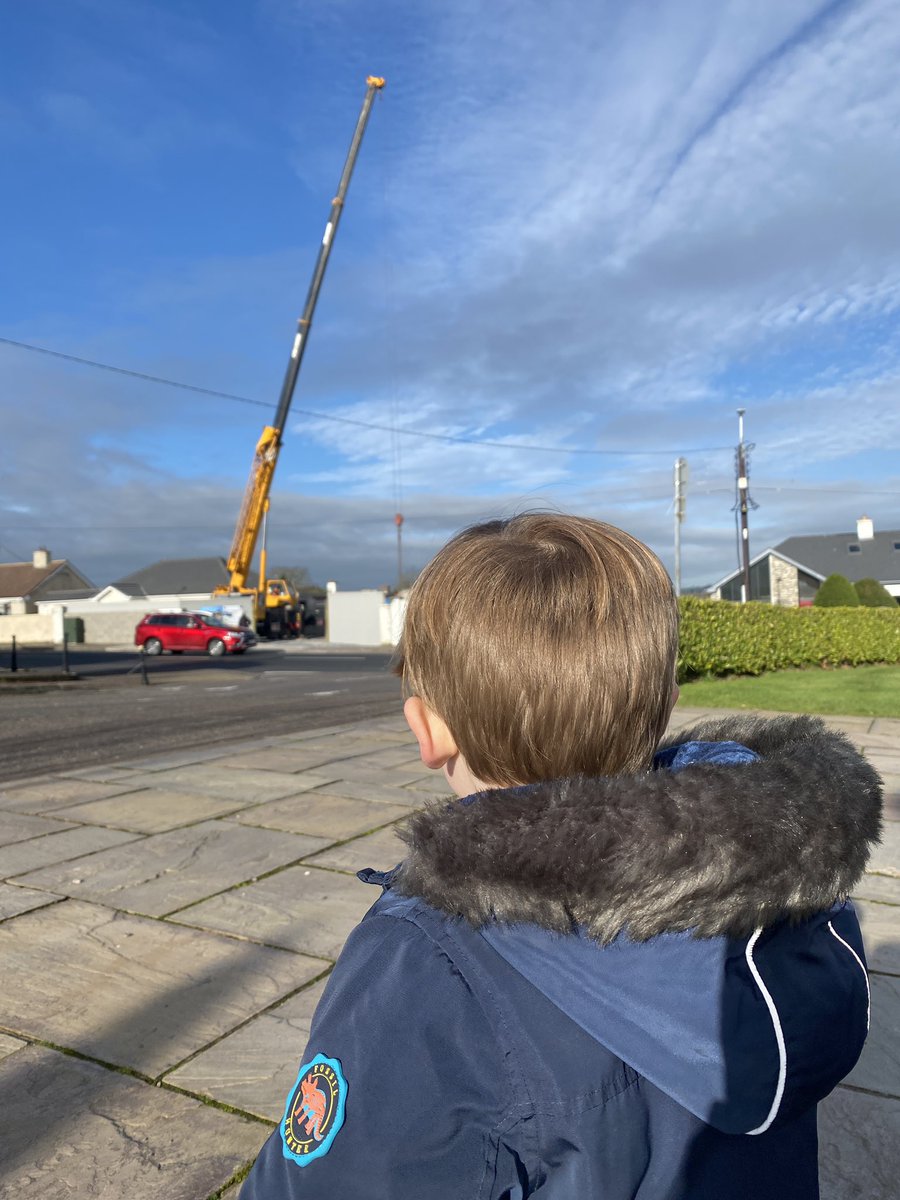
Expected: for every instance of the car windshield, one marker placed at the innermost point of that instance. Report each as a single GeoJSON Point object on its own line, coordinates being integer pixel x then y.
{"type": "Point", "coordinates": [216, 619]}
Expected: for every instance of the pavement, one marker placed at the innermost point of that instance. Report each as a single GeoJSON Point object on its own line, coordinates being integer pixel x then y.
{"type": "Point", "coordinates": [167, 926]}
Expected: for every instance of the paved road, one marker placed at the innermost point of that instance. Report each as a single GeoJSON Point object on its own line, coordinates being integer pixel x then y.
{"type": "Point", "coordinates": [190, 702]}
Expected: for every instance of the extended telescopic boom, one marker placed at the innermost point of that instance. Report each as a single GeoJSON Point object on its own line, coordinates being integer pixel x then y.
{"type": "Point", "coordinates": [266, 456]}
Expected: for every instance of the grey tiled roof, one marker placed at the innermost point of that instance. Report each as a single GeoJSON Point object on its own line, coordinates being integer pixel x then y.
{"type": "Point", "coordinates": [173, 576]}
{"type": "Point", "coordinates": [828, 554]}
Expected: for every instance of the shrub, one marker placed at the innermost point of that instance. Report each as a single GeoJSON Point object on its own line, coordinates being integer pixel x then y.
{"type": "Point", "coordinates": [873, 594]}
{"type": "Point", "coordinates": [719, 637]}
{"type": "Point", "coordinates": [836, 592]}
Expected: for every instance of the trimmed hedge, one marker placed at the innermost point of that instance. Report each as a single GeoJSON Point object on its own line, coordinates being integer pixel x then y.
{"type": "Point", "coordinates": [719, 637]}
{"type": "Point", "coordinates": [874, 594]}
{"type": "Point", "coordinates": [836, 592]}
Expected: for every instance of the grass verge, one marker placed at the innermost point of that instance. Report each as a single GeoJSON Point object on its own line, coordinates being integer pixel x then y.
{"type": "Point", "coordinates": [848, 691]}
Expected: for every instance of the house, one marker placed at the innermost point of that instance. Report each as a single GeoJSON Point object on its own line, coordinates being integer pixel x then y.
{"type": "Point", "coordinates": [169, 580]}
{"type": "Point", "coordinates": [791, 572]}
{"type": "Point", "coordinates": [23, 584]}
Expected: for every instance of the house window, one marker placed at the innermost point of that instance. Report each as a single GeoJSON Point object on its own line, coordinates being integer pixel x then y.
{"type": "Point", "coordinates": [897, 545]}
{"type": "Point", "coordinates": [760, 585]}
{"type": "Point", "coordinates": [854, 549]}
{"type": "Point", "coordinates": [807, 586]}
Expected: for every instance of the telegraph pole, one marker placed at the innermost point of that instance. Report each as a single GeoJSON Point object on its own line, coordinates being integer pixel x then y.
{"type": "Point", "coordinates": [681, 474]}
{"type": "Point", "coordinates": [743, 504]}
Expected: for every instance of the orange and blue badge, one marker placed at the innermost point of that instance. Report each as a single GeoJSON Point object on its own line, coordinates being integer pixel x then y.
{"type": "Point", "coordinates": [314, 1112]}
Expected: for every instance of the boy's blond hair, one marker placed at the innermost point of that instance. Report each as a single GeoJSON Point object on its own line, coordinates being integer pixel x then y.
{"type": "Point", "coordinates": [547, 644]}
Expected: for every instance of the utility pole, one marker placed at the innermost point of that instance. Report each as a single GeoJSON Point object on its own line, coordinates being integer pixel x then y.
{"type": "Point", "coordinates": [681, 476]}
{"type": "Point", "coordinates": [398, 521]}
{"type": "Point", "coordinates": [743, 504]}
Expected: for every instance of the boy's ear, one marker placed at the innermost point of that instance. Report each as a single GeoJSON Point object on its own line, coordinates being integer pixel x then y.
{"type": "Point", "coordinates": [436, 744]}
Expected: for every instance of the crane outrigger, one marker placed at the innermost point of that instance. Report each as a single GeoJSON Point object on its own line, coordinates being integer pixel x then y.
{"type": "Point", "coordinates": [275, 598]}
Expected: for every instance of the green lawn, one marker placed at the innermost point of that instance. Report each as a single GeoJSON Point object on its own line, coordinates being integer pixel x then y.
{"type": "Point", "coordinates": [851, 691]}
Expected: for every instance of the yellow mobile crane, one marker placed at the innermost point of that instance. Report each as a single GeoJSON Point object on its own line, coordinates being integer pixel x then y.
{"type": "Point", "coordinates": [276, 603]}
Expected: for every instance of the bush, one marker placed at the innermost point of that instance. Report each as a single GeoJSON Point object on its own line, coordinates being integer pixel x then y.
{"type": "Point", "coordinates": [836, 592]}
{"type": "Point", "coordinates": [719, 637]}
{"type": "Point", "coordinates": [873, 594]}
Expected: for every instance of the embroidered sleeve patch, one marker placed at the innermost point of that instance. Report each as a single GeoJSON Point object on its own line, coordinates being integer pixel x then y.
{"type": "Point", "coordinates": [314, 1112]}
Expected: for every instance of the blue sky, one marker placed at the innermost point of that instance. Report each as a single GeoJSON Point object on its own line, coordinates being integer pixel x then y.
{"type": "Point", "coordinates": [583, 226]}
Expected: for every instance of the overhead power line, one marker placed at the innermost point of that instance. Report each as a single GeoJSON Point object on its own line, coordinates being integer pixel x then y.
{"type": "Point", "coordinates": [215, 393]}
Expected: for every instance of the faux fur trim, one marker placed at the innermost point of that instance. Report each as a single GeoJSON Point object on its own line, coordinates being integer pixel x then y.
{"type": "Point", "coordinates": [716, 849]}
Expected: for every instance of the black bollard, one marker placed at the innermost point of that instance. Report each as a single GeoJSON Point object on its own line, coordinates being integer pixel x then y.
{"type": "Point", "coordinates": [65, 654]}
{"type": "Point", "coordinates": [13, 659]}
{"type": "Point", "coordinates": [144, 667]}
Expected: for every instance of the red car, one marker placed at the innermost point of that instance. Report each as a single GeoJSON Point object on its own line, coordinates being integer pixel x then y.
{"type": "Point", "coordinates": [185, 631]}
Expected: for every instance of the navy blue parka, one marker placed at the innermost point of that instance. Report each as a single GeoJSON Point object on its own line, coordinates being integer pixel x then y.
{"type": "Point", "coordinates": [528, 1010]}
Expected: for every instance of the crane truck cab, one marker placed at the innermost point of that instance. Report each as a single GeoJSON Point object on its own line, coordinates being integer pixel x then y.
{"type": "Point", "coordinates": [281, 616]}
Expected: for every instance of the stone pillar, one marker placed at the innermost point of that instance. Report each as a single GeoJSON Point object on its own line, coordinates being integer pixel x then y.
{"type": "Point", "coordinates": [784, 583]}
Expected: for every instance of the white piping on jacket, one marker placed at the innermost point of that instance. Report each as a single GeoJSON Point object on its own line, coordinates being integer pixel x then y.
{"type": "Point", "coordinates": [779, 1036]}
{"type": "Point", "coordinates": [862, 968]}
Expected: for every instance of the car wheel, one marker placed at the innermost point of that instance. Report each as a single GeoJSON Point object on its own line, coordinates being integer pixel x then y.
{"type": "Point", "coordinates": [215, 647]}
{"type": "Point", "coordinates": [153, 646]}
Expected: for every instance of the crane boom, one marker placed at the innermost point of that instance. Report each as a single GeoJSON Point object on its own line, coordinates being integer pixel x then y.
{"type": "Point", "coordinates": [265, 457]}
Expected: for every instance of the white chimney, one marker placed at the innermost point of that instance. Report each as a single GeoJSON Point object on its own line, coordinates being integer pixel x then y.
{"type": "Point", "coordinates": [865, 530]}
{"type": "Point", "coordinates": [41, 558]}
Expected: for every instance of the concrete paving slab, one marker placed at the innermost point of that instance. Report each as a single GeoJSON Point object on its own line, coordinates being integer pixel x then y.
{"type": "Point", "coordinates": [286, 761]}
{"type": "Point", "coordinates": [887, 753]}
{"type": "Point", "coordinates": [57, 848]}
{"type": "Point", "coordinates": [342, 748]}
{"type": "Point", "coordinates": [321, 814]}
{"type": "Point", "coordinates": [881, 934]}
{"type": "Point", "coordinates": [363, 770]}
{"type": "Point", "coordinates": [15, 900]}
{"type": "Point", "coordinates": [878, 1069]}
{"type": "Point", "coordinates": [885, 889]}
{"type": "Point", "coordinates": [56, 793]}
{"type": "Point", "coordinates": [213, 780]}
{"type": "Point", "coordinates": [187, 758]}
{"type": "Point", "coordinates": [432, 784]}
{"type": "Point", "coordinates": [381, 850]}
{"type": "Point", "coordinates": [10, 1045]}
{"type": "Point", "coordinates": [890, 779]}
{"type": "Point", "coordinates": [886, 857]}
{"type": "Point", "coordinates": [151, 810]}
{"type": "Point", "coordinates": [166, 871]}
{"type": "Point", "coordinates": [854, 727]}
{"type": "Point", "coordinates": [389, 734]}
{"type": "Point", "coordinates": [892, 798]}
{"type": "Point", "coordinates": [131, 991]}
{"type": "Point", "coordinates": [398, 755]}
{"type": "Point", "coordinates": [73, 1130]}
{"type": "Point", "coordinates": [877, 741]}
{"type": "Point", "coordinates": [302, 908]}
{"type": "Point", "coordinates": [372, 789]}
{"type": "Point", "coordinates": [888, 725]}
{"type": "Point", "coordinates": [102, 774]}
{"type": "Point", "coordinates": [859, 1146]}
{"type": "Point", "coordinates": [255, 1068]}
{"type": "Point", "coordinates": [19, 827]}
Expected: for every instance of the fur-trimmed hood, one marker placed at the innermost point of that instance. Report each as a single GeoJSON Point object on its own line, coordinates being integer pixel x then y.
{"type": "Point", "coordinates": [709, 848]}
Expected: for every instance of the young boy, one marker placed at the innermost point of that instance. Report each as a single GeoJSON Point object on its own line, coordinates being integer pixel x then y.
{"type": "Point", "coordinates": [605, 971]}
